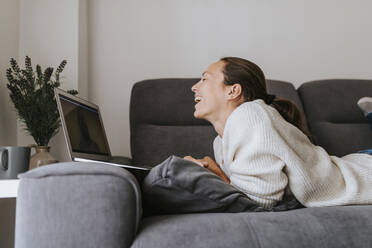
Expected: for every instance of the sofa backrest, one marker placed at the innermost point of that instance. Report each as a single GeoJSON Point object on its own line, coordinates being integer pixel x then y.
{"type": "Point", "coordinates": [334, 119]}
{"type": "Point", "coordinates": [162, 121]}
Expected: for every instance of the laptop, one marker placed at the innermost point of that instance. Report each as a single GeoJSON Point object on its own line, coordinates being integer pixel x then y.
{"type": "Point", "coordinates": [84, 131]}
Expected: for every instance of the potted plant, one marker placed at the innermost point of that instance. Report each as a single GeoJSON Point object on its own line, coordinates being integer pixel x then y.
{"type": "Point", "coordinates": [32, 93]}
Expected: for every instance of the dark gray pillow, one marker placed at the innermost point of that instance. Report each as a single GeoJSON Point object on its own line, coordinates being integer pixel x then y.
{"type": "Point", "coordinates": [181, 186]}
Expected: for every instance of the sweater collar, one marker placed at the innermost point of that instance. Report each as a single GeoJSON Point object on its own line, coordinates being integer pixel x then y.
{"type": "Point", "coordinates": [243, 105]}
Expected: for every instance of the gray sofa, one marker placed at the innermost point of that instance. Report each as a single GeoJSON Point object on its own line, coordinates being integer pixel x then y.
{"type": "Point", "coordinates": [90, 205]}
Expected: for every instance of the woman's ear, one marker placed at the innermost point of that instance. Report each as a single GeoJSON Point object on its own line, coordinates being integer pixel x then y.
{"type": "Point", "coordinates": [235, 92]}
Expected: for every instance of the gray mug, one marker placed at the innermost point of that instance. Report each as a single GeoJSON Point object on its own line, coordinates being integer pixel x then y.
{"type": "Point", "coordinates": [13, 160]}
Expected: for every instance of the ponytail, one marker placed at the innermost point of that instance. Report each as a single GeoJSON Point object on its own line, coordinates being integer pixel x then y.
{"type": "Point", "coordinates": [253, 82]}
{"type": "Point", "coordinates": [289, 111]}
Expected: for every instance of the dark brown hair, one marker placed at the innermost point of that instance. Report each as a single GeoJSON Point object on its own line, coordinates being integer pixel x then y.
{"type": "Point", "coordinates": [253, 83]}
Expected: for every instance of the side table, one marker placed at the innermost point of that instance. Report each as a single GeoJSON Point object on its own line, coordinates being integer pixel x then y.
{"type": "Point", "coordinates": [8, 194]}
{"type": "Point", "coordinates": [8, 188]}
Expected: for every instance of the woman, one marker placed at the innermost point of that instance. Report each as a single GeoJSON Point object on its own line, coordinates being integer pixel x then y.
{"type": "Point", "coordinates": [260, 148]}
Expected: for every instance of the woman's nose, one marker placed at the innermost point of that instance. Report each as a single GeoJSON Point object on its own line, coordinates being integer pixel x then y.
{"type": "Point", "coordinates": [193, 88]}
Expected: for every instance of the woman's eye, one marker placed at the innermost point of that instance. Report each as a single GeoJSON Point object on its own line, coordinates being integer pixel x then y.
{"type": "Point", "coordinates": [203, 79]}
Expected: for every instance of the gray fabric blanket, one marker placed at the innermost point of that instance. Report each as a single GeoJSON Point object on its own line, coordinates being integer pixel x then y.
{"type": "Point", "coordinates": [180, 186]}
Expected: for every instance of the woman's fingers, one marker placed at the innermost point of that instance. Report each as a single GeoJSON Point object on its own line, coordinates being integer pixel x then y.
{"type": "Point", "coordinates": [208, 162]}
{"type": "Point", "coordinates": [204, 163]}
{"type": "Point", "coordinates": [193, 160]}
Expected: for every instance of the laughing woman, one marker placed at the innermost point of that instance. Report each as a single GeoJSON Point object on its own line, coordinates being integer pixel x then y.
{"type": "Point", "coordinates": [262, 148]}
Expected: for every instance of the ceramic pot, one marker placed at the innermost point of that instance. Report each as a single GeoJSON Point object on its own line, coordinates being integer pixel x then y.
{"type": "Point", "coordinates": [13, 160]}
{"type": "Point", "coordinates": [41, 156]}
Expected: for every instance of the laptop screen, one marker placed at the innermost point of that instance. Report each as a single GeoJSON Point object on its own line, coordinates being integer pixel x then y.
{"type": "Point", "coordinates": [84, 127]}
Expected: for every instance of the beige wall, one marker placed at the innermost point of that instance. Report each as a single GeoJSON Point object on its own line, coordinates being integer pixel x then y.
{"type": "Point", "coordinates": [297, 41]}
{"type": "Point", "coordinates": [9, 30]}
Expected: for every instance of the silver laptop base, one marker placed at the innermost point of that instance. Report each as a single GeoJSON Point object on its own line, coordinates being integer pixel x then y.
{"type": "Point", "coordinates": [146, 168]}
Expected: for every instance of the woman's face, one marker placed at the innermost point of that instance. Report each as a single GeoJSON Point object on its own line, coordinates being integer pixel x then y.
{"type": "Point", "coordinates": [210, 93]}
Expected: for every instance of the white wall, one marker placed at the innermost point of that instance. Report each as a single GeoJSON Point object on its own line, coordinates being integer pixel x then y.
{"type": "Point", "coordinates": [292, 40]}
{"type": "Point", "coordinates": [131, 40]}
{"type": "Point", "coordinates": [50, 32]}
{"type": "Point", "coordinates": [9, 33]}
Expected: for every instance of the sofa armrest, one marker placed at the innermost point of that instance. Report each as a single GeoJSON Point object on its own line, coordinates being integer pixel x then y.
{"type": "Point", "coordinates": [77, 205]}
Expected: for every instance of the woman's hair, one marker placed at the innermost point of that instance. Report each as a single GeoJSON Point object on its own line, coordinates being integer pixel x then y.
{"type": "Point", "coordinates": [253, 83]}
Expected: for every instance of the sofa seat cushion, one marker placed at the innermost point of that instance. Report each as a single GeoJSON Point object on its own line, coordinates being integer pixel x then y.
{"type": "Point", "coordinates": [342, 226]}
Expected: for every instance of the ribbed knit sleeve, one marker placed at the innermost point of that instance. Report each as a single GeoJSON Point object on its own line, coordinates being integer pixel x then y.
{"type": "Point", "coordinates": [250, 167]}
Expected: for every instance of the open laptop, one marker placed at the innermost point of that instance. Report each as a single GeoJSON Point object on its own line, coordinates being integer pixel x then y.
{"type": "Point", "coordinates": [84, 132]}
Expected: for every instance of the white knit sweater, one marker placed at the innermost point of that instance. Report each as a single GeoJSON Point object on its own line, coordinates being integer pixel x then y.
{"type": "Point", "coordinates": [262, 153]}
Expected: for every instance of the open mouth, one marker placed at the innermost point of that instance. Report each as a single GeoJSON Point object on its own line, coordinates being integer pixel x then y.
{"type": "Point", "coordinates": [197, 99]}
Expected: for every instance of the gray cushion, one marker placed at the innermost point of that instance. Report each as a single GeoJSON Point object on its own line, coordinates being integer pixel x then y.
{"type": "Point", "coordinates": [335, 120]}
{"type": "Point", "coordinates": [162, 121]}
{"type": "Point", "coordinates": [77, 205]}
{"type": "Point", "coordinates": [327, 227]}
{"type": "Point", "coordinates": [181, 186]}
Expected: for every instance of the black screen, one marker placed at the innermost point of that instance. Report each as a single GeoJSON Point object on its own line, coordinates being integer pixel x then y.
{"type": "Point", "coordinates": [84, 128]}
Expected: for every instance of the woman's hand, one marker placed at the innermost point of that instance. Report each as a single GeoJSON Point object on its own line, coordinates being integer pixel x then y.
{"type": "Point", "coordinates": [197, 161]}
{"type": "Point", "coordinates": [210, 164]}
